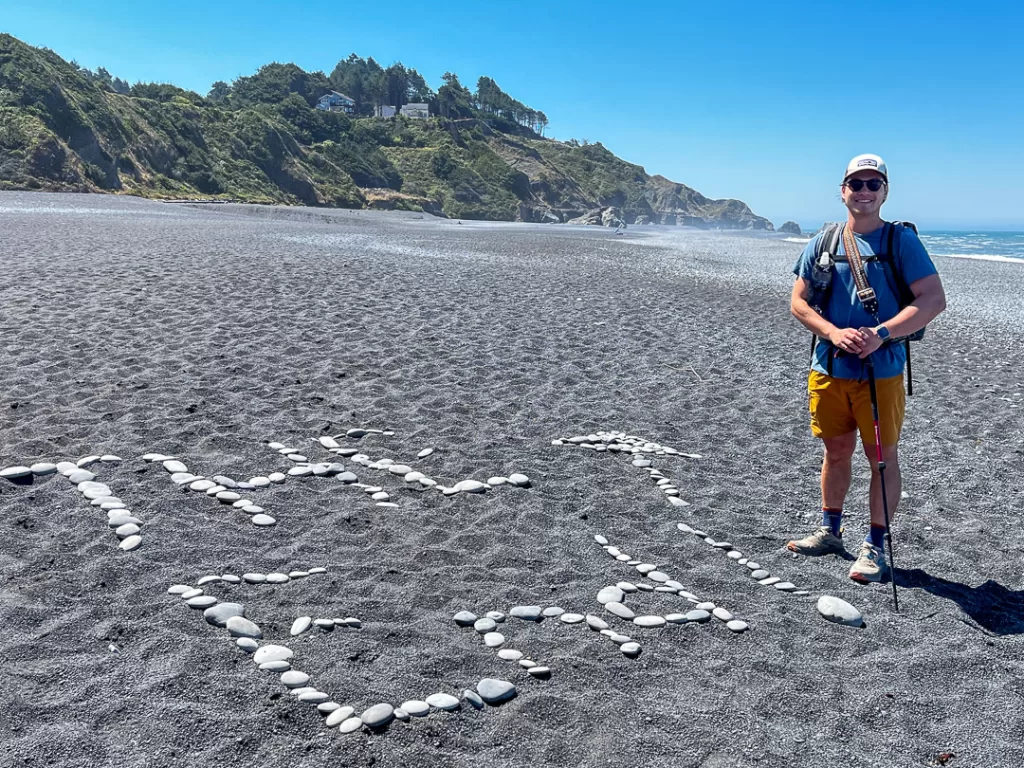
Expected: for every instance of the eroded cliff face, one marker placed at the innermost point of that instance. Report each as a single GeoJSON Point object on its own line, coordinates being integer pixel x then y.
{"type": "Point", "coordinates": [589, 185]}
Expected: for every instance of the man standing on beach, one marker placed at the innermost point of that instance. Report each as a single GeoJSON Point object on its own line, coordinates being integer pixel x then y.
{"type": "Point", "coordinates": [840, 400]}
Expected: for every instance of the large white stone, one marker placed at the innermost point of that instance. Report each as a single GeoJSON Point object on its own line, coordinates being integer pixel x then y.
{"type": "Point", "coordinates": [272, 653]}
{"type": "Point", "coordinates": [839, 611]}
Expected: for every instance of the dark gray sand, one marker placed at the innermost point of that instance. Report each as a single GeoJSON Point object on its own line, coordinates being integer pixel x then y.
{"type": "Point", "coordinates": [206, 331]}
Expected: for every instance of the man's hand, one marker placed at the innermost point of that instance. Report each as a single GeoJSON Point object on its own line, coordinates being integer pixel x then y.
{"type": "Point", "coordinates": [872, 341]}
{"type": "Point", "coordinates": [850, 340]}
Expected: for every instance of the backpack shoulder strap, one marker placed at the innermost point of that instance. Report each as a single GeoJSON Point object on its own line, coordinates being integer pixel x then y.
{"type": "Point", "coordinates": [829, 242]}
{"type": "Point", "coordinates": [893, 238]}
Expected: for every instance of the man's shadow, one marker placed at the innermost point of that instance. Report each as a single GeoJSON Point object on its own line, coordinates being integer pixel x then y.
{"type": "Point", "coordinates": [991, 606]}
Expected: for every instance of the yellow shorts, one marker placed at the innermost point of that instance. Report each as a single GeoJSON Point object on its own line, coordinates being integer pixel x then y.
{"type": "Point", "coordinates": [839, 406]}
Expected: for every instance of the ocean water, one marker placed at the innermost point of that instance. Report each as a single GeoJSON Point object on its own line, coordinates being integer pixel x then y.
{"type": "Point", "coordinates": [984, 246]}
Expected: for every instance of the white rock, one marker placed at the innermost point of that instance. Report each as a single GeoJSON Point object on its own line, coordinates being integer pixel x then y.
{"type": "Point", "coordinates": [416, 708]}
{"type": "Point", "coordinates": [495, 691]}
{"type": "Point", "coordinates": [352, 724]}
{"type": "Point", "coordinates": [328, 442]}
{"type": "Point", "coordinates": [443, 701]}
{"type": "Point", "coordinates": [272, 653]}
{"type": "Point", "coordinates": [339, 715]}
{"type": "Point", "coordinates": [519, 479]}
{"type": "Point", "coordinates": [300, 625]}
{"type": "Point", "coordinates": [43, 468]}
{"type": "Point", "coordinates": [839, 611]}
{"type": "Point", "coordinates": [130, 543]}
{"type": "Point", "coordinates": [619, 610]}
{"type": "Point", "coordinates": [377, 715]}
{"type": "Point", "coordinates": [173, 465]}
{"type": "Point", "coordinates": [242, 627]}
{"type": "Point", "coordinates": [424, 453]}
{"type": "Point", "coordinates": [263, 520]}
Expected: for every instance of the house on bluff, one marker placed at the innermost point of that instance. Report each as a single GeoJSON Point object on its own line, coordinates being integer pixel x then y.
{"type": "Point", "coordinates": [415, 111]}
{"type": "Point", "coordinates": [336, 102]}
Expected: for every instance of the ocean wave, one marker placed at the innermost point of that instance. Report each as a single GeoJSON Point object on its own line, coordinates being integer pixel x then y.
{"type": "Point", "coordinates": [797, 239]}
{"type": "Point", "coordinates": [983, 257]}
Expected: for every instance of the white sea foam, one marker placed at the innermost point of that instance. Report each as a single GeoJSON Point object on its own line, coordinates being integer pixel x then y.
{"type": "Point", "coordinates": [983, 257]}
{"type": "Point", "coordinates": [797, 239]}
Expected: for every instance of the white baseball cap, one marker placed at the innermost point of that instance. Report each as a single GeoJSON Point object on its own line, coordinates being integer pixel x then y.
{"type": "Point", "coordinates": [866, 163]}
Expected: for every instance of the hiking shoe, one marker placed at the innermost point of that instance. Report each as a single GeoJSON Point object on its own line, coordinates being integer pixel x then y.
{"type": "Point", "coordinates": [870, 566]}
{"type": "Point", "coordinates": [821, 542]}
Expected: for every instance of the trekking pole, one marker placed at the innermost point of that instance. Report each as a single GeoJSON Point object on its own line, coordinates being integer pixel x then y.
{"type": "Point", "coordinates": [881, 477]}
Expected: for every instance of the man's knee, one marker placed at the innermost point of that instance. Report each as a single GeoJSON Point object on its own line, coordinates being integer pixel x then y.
{"type": "Point", "coordinates": [839, 450]}
{"type": "Point", "coordinates": [890, 455]}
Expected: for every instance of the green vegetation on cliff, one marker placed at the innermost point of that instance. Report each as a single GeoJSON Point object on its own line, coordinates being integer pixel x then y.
{"type": "Point", "coordinates": [260, 139]}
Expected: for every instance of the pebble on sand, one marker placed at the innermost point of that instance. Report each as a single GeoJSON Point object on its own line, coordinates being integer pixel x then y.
{"type": "Point", "coordinates": [527, 612]}
{"type": "Point", "coordinates": [352, 724]}
{"type": "Point", "coordinates": [443, 701]}
{"type": "Point", "coordinates": [339, 715]}
{"type": "Point", "coordinates": [272, 653]}
{"type": "Point", "coordinates": [839, 611]}
{"type": "Point", "coordinates": [239, 626]}
{"type": "Point", "coordinates": [495, 692]}
{"type": "Point", "coordinates": [219, 614]}
{"type": "Point", "coordinates": [377, 716]}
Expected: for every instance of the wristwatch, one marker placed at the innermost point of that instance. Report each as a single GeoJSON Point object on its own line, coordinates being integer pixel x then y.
{"type": "Point", "coordinates": [883, 332]}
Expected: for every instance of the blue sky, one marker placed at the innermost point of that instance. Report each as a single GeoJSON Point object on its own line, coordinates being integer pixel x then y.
{"type": "Point", "coordinates": [758, 101]}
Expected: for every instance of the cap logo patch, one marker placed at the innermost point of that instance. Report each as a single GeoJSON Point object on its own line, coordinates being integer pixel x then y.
{"type": "Point", "coordinates": [867, 161]}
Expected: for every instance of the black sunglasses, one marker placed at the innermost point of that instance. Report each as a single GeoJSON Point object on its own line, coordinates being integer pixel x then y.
{"type": "Point", "coordinates": [856, 185]}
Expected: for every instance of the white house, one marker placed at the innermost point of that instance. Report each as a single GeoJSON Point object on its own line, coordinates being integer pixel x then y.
{"type": "Point", "coordinates": [336, 102]}
{"type": "Point", "coordinates": [385, 111]}
{"type": "Point", "coordinates": [417, 111]}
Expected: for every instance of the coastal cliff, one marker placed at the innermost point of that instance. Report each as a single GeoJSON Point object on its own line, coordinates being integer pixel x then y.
{"type": "Point", "coordinates": [65, 128]}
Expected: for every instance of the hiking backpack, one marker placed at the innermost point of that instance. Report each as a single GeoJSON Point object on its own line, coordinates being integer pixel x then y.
{"type": "Point", "coordinates": [826, 255]}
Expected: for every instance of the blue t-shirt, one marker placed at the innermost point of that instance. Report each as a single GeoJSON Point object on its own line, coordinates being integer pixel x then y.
{"type": "Point", "coordinates": [844, 309]}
